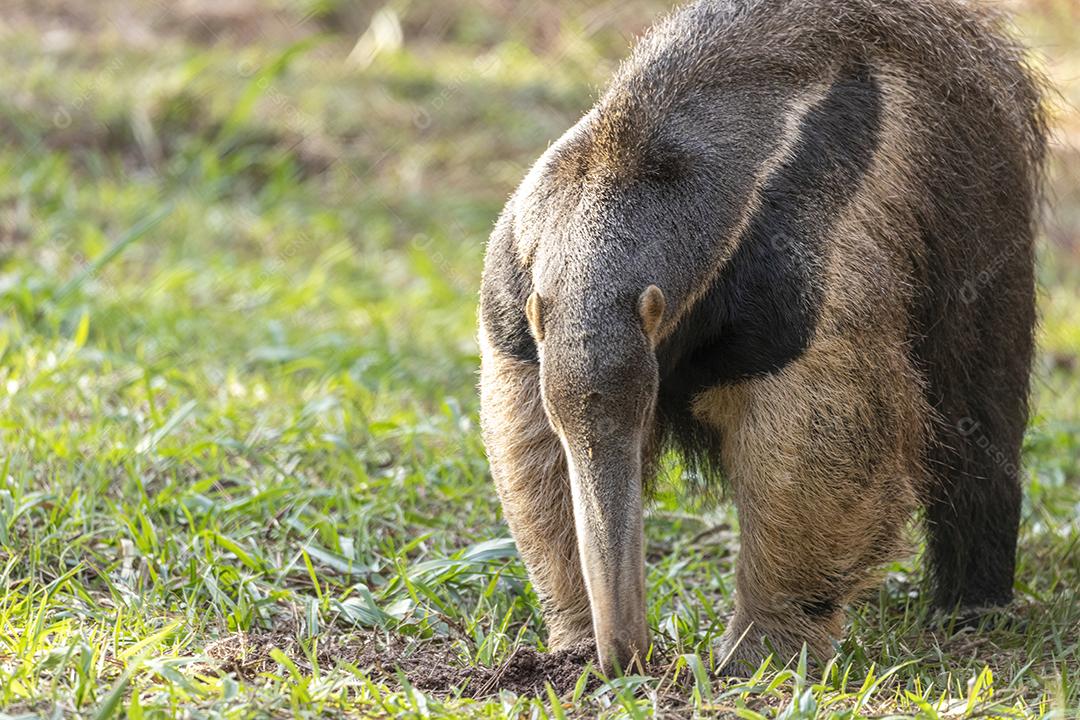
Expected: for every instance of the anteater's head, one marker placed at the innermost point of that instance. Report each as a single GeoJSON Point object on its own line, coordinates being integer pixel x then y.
{"type": "Point", "coordinates": [596, 338]}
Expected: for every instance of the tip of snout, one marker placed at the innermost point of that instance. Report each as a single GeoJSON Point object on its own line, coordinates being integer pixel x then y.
{"type": "Point", "coordinates": [623, 656]}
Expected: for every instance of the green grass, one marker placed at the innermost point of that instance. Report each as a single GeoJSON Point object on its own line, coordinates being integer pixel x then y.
{"type": "Point", "coordinates": [238, 283]}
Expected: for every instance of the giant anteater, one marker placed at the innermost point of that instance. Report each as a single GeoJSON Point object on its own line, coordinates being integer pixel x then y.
{"type": "Point", "coordinates": [792, 242]}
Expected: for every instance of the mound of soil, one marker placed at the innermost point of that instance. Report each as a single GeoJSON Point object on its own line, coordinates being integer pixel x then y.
{"type": "Point", "coordinates": [526, 671]}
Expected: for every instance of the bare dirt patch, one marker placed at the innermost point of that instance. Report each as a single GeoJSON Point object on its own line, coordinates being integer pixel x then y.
{"type": "Point", "coordinates": [431, 666]}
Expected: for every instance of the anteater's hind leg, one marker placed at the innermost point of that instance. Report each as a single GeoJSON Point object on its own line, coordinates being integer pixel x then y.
{"type": "Point", "coordinates": [973, 500]}
{"type": "Point", "coordinates": [819, 461]}
{"type": "Point", "coordinates": [972, 516]}
{"type": "Point", "coordinates": [529, 469]}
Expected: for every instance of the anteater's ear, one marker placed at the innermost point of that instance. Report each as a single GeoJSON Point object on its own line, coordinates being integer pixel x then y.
{"type": "Point", "coordinates": [534, 312]}
{"type": "Point", "coordinates": [651, 307]}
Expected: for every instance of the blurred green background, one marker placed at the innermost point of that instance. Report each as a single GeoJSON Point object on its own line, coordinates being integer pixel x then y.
{"type": "Point", "coordinates": [240, 247]}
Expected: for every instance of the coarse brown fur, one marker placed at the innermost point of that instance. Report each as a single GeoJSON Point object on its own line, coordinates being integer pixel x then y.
{"type": "Point", "coordinates": [794, 243]}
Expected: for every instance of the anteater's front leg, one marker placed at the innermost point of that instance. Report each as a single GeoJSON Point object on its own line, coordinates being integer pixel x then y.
{"type": "Point", "coordinates": [529, 469]}
{"type": "Point", "coordinates": [819, 457]}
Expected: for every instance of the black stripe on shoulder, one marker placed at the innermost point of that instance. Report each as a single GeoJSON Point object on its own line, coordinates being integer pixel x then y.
{"type": "Point", "coordinates": [762, 310]}
{"type": "Point", "coordinates": [505, 288]}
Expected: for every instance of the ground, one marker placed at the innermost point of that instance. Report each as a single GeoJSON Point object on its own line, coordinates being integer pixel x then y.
{"type": "Point", "coordinates": [240, 472]}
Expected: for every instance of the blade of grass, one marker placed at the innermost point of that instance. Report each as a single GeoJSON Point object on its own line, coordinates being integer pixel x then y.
{"type": "Point", "coordinates": [135, 233]}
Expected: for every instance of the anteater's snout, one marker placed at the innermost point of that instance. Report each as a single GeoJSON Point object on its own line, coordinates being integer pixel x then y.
{"type": "Point", "coordinates": [625, 652]}
{"type": "Point", "coordinates": [607, 496]}
{"type": "Point", "coordinates": [600, 384]}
